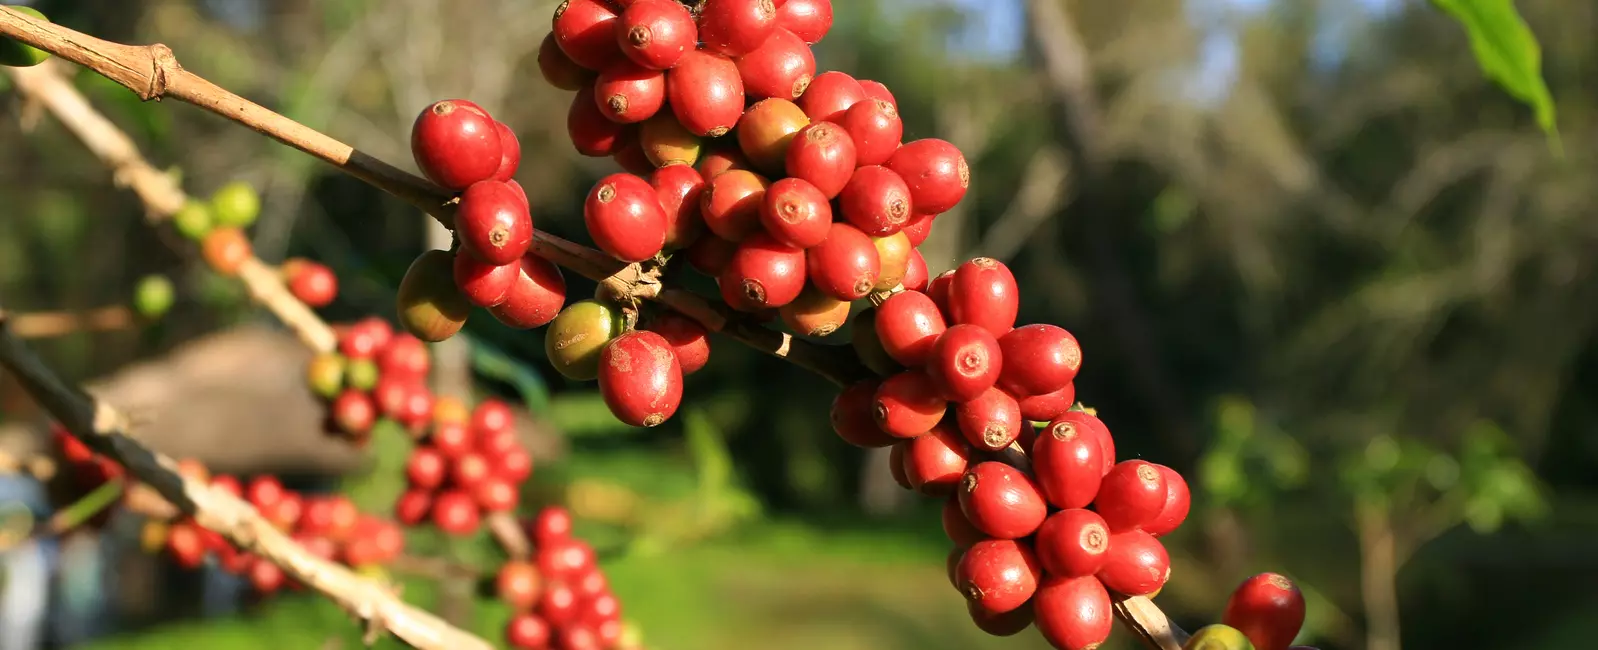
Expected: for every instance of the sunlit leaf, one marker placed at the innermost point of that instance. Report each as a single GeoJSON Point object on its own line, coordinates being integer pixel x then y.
{"type": "Point", "coordinates": [1508, 53]}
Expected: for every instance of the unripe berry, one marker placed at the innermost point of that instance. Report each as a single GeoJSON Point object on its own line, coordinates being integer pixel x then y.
{"type": "Point", "coordinates": [766, 130]}
{"type": "Point", "coordinates": [736, 27]}
{"type": "Point", "coordinates": [560, 70]}
{"type": "Point", "coordinates": [763, 273]}
{"type": "Point", "coordinates": [853, 417]}
{"type": "Point", "coordinates": [909, 324]}
{"type": "Point", "coordinates": [935, 463]}
{"type": "Point", "coordinates": [235, 205]}
{"type": "Point", "coordinates": [1073, 613]}
{"type": "Point", "coordinates": [627, 92]}
{"type": "Point", "coordinates": [656, 33]}
{"type": "Point", "coordinates": [17, 54]}
{"type": "Point", "coordinates": [893, 251]}
{"type": "Point", "coordinates": [730, 204]}
{"type": "Point", "coordinates": [687, 337]}
{"type": "Point", "coordinates": [591, 132]}
{"type": "Point", "coordinates": [665, 142]}
{"type": "Point", "coordinates": [455, 145]}
{"type": "Point", "coordinates": [1001, 500]}
{"type": "Point", "coordinates": [823, 154]}
{"type": "Point", "coordinates": [876, 201]}
{"type": "Point", "coordinates": [908, 405]}
{"type": "Point", "coordinates": [1136, 564]}
{"type": "Point", "coordinates": [1268, 608]}
{"type": "Point", "coordinates": [1072, 543]}
{"type": "Point", "coordinates": [624, 217]}
{"type": "Point", "coordinates": [585, 31]}
{"type": "Point", "coordinates": [535, 298]}
{"type": "Point", "coordinates": [808, 19]}
{"type": "Point", "coordinates": [1068, 461]}
{"type": "Point", "coordinates": [1039, 359]}
{"type": "Point", "coordinates": [679, 188]}
{"type": "Point", "coordinates": [325, 373]}
{"type": "Point", "coordinates": [796, 213]}
{"type": "Point", "coordinates": [781, 68]}
{"type": "Point", "coordinates": [831, 94]}
{"type": "Point", "coordinates": [431, 307]}
{"type": "Point", "coordinates": [998, 575]}
{"type": "Point", "coordinates": [936, 172]}
{"type": "Point", "coordinates": [193, 220]}
{"type": "Point", "coordinates": [492, 223]}
{"type": "Point", "coordinates": [577, 337]}
{"type": "Point", "coordinates": [845, 264]}
{"type": "Point", "coordinates": [705, 93]}
{"type": "Point", "coordinates": [226, 250]}
{"type": "Point", "coordinates": [640, 379]}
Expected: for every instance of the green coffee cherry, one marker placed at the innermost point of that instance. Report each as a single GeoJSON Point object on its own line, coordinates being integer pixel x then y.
{"type": "Point", "coordinates": [236, 205]}
{"type": "Point", "coordinates": [17, 54]}
{"type": "Point", "coordinates": [361, 374]}
{"type": "Point", "coordinates": [326, 374]}
{"type": "Point", "coordinates": [577, 336]}
{"type": "Point", "coordinates": [1218, 637]}
{"type": "Point", "coordinates": [194, 220]}
{"type": "Point", "coordinates": [153, 296]}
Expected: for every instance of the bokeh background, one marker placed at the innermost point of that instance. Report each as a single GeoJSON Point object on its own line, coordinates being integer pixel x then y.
{"type": "Point", "coordinates": [1318, 264]}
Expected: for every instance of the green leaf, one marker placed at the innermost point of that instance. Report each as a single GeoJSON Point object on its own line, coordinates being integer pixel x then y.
{"type": "Point", "coordinates": [1508, 53]}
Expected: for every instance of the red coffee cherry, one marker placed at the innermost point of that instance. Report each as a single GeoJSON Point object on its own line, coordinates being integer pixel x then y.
{"type": "Point", "coordinates": [894, 252]}
{"type": "Point", "coordinates": [915, 277]}
{"type": "Point", "coordinates": [935, 463]}
{"type": "Point", "coordinates": [656, 33]}
{"type": "Point", "coordinates": [998, 575]}
{"type": "Point", "coordinates": [627, 92]}
{"type": "Point", "coordinates": [558, 605]}
{"type": "Point", "coordinates": [185, 545]}
{"type": "Point", "coordinates": [896, 463]}
{"type": "Point", "coordinates": [736, 27]}
{"type": "Point", "coordinates": [719, 159]}
{"type": "Point", "coordinates": [854, 419]}
{"type": "Point", "coordinates": [1008, 623]}
{"type": "Point", "coordinates": [513, 464]}
{"type": "Point", "coordinates": [876, 129]}
{"type": "Point", "coordinates": [510, 158]}
{"type": "Point", "coordinates": [876, 90]}
{"type": "Point", "coordinates": [936, 172]}
{"type": "Point", "coordinates": [845, 264]}
{"type": "Point", "coordinates": [495, 494]}
{"type": "Point", "coordinates": [456, 513]}
{"type": "Point", "coordinates": [354, 412]}
{"type": "Point", "coordinates": [535, 298]}
{"type": "Point", "coordinates": [1001, 500]}
{"type": "Point", "coordinates": [528, 632]}
{"type": "Point", "coordinates": [705, 93]}
{"type": "Point", "coordinates": [957, 527]}
{"type": "Point", "coordinates": [687, 338]}
{"type": "Point", "coordinates": [1095, 429]}
{"type": "Point", "coordinates": [763, 273]}
{"type": "Point", "coordinates": [591, 132]}
{"type": "Point", "coordinates": [313, 284]}
{"type": "Point", "coordinates": [578, 636]}
{"type": "Point", "coordinates": [390, 394]}
{"type": "Point", "coordinates": [266, 577]}
{"type": "Point", "coordinates": [664, 141]}
{"type": "Point", "coordinates": [814, 313]}
{"type": "Point", "coordinates": [1040, 359]}
{"type": "Point", "coordinates": [452, 439]}
{"type": "Point", "coordinates": [492, 223]}
{"type": "Point", "coordinates": [631, 157]}
{"type": "Point", "coordinates": [1132, 494]}
{"type": "Point", "coordinates": [876, 201]}
{"type": "Point", "coordinates": [730, 204]}
{"type": "Point", "coordinates": [591, 585]}
{"type": "Point", "coordinates": [468, 470]}
{"type": "Point", "coordinates": [919, 227]}
{"type": "Point", "coordinates": [264, 492]}
{"type": "Point", "coordinates": [1048, 406]}
{"type": "Point", "coordinates": [492, 415]}
{"type": "Point", "coordinates": [560, 70]}
{"type": "Point", "coordinates": [983, 292]}
{"type": "Point", "coordinates": [766, 130]}
{"type": "Point", "coordinates": [484, 284]}
{"type": "Point", "coordinates": [830, 95]}
{"type": "Point", "coordinates": [868, 347]}
{"type": "Point", "coordinates": [365, 338]}
{"type": "Point", "coordinates": [808, 19]}
{"type": "Point", "coordinates": [797, 214]}
{"type": "Point", "coordinates": [823, 154]}
{"type": "Point", "coordinates": [565, 559]}
{"type": "Point", "coordinates": [586, 32]}
{"type": "Point", "coordinates": [909, 324]}
{"type": "Point", "coordinates": [1135, 565]}
{"type": "Point", "coordinates": [426, 468]}
{"type": "Point", "coordinates": [908, 404]}
{"type": "Point", "coordinates": [990, 422]}
{"type": "Point", "coordinates": [964, 362]}
{"type": "Point", "coordinates": [1069, 464]}
{"type": "Point", "coordinates": [226, 250]}
{"type": "Point", "coordinates": [405, 357]}
{"type": "Point", "coordinates": [640, 379]}
{"type": "Point", "coordinates": [455, 146]}
{"type": "Point", "coordinates": [413, 506]}
{"type": "Point", "coordinates": [1073, 543]}
{"type": "Point", "coordinates": [550, 525]}
{"type": "Point", "coordinates": [518, 584]}
{"type": "Point", "coordinates": [1268, 609]}
{"type": "Point", "coordinates": [624, 217]}
{"type": "Point", "coordinates": [781, 68]}
{"type": "Point", "coordinates": [1073, 613]}
{"type": "Point", "coordinates": [938, 291]}
{"type": "Point", "coordinates": [679, 188]}
{"type": "Point", "coordinates": [710, 254]}
{"type": "Point", "coordinates": [1177, 502]}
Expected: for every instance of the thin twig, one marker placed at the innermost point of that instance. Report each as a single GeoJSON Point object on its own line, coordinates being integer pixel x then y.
{"type": "Point", "coordinates": [41, 325]}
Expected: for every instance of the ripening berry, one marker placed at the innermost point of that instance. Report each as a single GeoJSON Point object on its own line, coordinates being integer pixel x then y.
{"type": "Point", "coordinates": [577, 337]}
{"type": "Point", "coordinates": [492, 223]}
{"type": "Point", "coordinates": [431, 307]}
{"type": "Point", "coordinates": [687, 337]}
{"type": "Point", "coordinates": [624, 217]}
{"type": "Point", "coordinates": [810, 20]}
{"type": "Point", "coordinates": [830, 95]}
{"type": "Point", "coordinates": [763, 273]}
{"type": "Point", "coordinates": [909, 324]}
{"type": "Point", "coordinates": [736, 27]}
{"type": "Point", "coordinates": [586, 31]}
{"type": "Point", "coordinates": [1131, 495]}
{"type": "Point", "coordinates": [535, 298]}
{"type": "Point", "coordinates": [226, 250]}
{"type": "Point", "coordinates": [908, 404]}
{"type": "Point", "coordinates": [934, 463]}
{"type": "Point", "coordinates": [1136, 564]}
{"type": "Point", "coordinates": [706, 93]}
{"type": "Point", "coordinates": [656, 33]}
{"type": "Point", "coordinates": [665, 142]}
{"type": "Point", "coordinates": [1002, 501]}
{"type": "Point", "coordinates": [731, 202]}
{"type": "Point", "coordinates": [936, 172]}
{"type": "Point", "coordinates": [627, 92]}
{"type": "Point", "coordinates": [312, 283]}
{"type": "Point", "coordinates": [998, 575]}
{"type": "Point", "coordinates": [766, 130]}
{"type": "Point", "coordinates": [781, 68]}
{"type": "Point", "coordinates": [1068, 462]}
{"type": "Point", "coordinates": [1040, 359]}
{"type": "Point", "coordinates": [640, 379]}
{"type": "Point", "coordinates": [325, 374]}
{"type": "Point", "coordinates": [591, 132]}
{"type": "Point", "coordinates": [814, 313]}
{"type": "Point", "coordinates": [1072, 543]}
{"type": "Point", "coordinates": [893, 252]}
{"type": "Point", "coordinates": [455, 145]}
{"type": "Point", "coordinates": [560, 70]}
{"type": "Point", "coordinates": [1073, 613]}
{"type": "Point", "coordinates": [796, 213]}
{"type": "Point", "coordinates": [824, 154]}
{"type": "Point", "coordinates": [853, 417]}
{"type": "Point", "coordinates": [1268, 609]}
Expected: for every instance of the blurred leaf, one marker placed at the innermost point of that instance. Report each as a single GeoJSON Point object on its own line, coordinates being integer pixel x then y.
{"type": "Point", "coordinates": [1508, 53]}
{"type": "Point", "coordinates": [583, 414]}
{"type": "Point", "coordinates": [376, 489]}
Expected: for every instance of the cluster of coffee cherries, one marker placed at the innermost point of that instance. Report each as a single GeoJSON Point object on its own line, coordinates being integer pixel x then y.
{"type": "Point", "coordinates": [561, 598]}
{"type": "Point", "coordinates": [219, 224]}
{"type": "Point", "coordinates": [375, 373]}
{"type": "Point", "coordinates": [467, 464]}
{"type": "Point", "coordinates": [1265, 612]}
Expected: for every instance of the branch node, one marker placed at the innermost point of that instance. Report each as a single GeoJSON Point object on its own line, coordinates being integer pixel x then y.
{"type": "Point", "coordinates": [163, 66]}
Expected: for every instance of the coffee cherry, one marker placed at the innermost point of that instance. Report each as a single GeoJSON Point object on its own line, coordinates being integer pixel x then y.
{"type": "Point", "coordinates": [936, 462]}
{"type": "Point", "coordinates": [909, 324]}
{"type": "Point", "coordinates": [17, 54]}
{"type": "Point", "coordinates": [528, 632]}
{"type": "Point", "coordinates": [908, 404]}
{"type": "Point", "coordinates": [565, 559]}
{"type": "Point", "coordinates": [1135, 564]}
{"type": "Point", "coordinates": [578, 335]}
{"type": "Point", "coordinates": [1218, 637]}
{"type": "Point", "coordinates": [624, 217]}
{"type": "Point", "coordinates": [560, 70]}
{"type": "Point", "coordinates": [313, 284]}
{"type": "Point", "coordinates": [426, 468]}
{"type": "Point", "coordinates": [365, 338]}
{"type": "Point", "coordinates": [894, 253]}
{"type": "Point", "coordinates": [452, 439]}
{"type": "Point", "coordinates": [1073, 613]}
{"type": "Point", "coordinates": [361, 374]}
{"type": "Point", "coordinates": [354, 412]}
{"type": "Point", "coordinates": [193, 220]}
{"type": "Point", "coordinates": [468, 470]}
{"type": "Point", "coordinates": [705, 92]}
{"type": "Point", "coordinates": [1068, 463]}
{"type": "Point", "coordinates": [226, 250]}
{"type": "Point", "coordinates": [591, 586]}
{"type": "Point", "coordinates": [736, 27]}
{"type": "Point", "coordinates": [998, 575]}
{"type": "Point", "coordinates": [656, 33]}
{"type": "Point", "coordinates": [983, 292]}
{"type": "Point", "coordinates": [627, 92]}
{"type": "Point", "coordinates": [285, 512]}
{"type": "Point", "coordinates": [876, 201]}
{"type": "Point", "coordinates": [640, 379]}
{"type": "Point", "coordinates": [1008, 623]}
{"type": "Point", "coordinates": [679, 188]}
{"type": "Point", "coordinates": [938, 291]}
{"type": "Point", "coordinates": [868, 347]}
{"type": "Point", "coordinates": [796, 213]}
{"type": "Point", "coordinates": [766, 130]}
{"type": "Point", "coordinates": [808, 19]}
{"type": "Point", "coordinates": [853, 417]}
{"type": "Point", "coordinates": [876, 90]}
{"type": "Point", "coordinates": [781, 68]}
{"type": "Point", "coordinates": [325, 374]}
{"type": "Point", "coordinates": [496, 494]}
{"type": "Point", "coordinates": [431, 307]}
{"type": "Point", "coordinates": [845, 264]}
{"type": "Point", "coordinates": [264, 492]}
{"type": "Point", "coordinates": [1048, 406]}
{"type": "Point", "coordinates": [991, 421]}
{"type": "Point", "coordinates": [936, 172]}
{"type": "Point", "coordinates": [510, 158]}
{"type": "Point", "coordinates": [513, 463]}
{"type": "Point", "coordinates": [719, 159]}
{"type": "Point", "coordinates": [578, 636]}
{"type": "Point", "coordinates": [1268, 608]}
{"type": "Point", "coordinates": [585, 31]}
{"type": "Point", "coordinates": [814, 313]}
{"type": "Point", "coordinates": [665, 142]}
{"type": "Point", "coordinates": [687, 338]}
{"type": "Point", "coordinates": [876, 129]}
{"type": "Point", "coordinates": [265, 576]}
{"type": "Point", "coordinates": [185, 545]}
{"type": "Point", "coordinates": [591, 132]}
{"type": "Point", "coordinates": [390, 395]}
{"type": "Point", "coordinates": [823, 154]}
{"type": "Point", "coordinates": [491, 416]}
{"type": "Point", "coordinates": [492, 223]}
{"type": "Point", "coordinates": [957, 527]}
{"type": "Point", "coordinates": [455, 145]}
{"type": "Point", "coordinates": [550, 525]}
{"type": "Point", "coordinates": [763, 273]}
{"type": "Point", "coordinates": [483, 284]}
{"type": "Point", "coordinates": [235, 205]}
{"type": "Point", "coordinates": [455, 513]}
{"type": "Point", "coordinates": [631, 157]}
{"type": "Point", "coordinates": [710, 254]}
{"type": "Point", "coordinates": [1001, 500]}
{"type": "Point", "coordinates": [1040, 359]}
{"type": "Point", "coordinates": [1073, 543]}
{"type": "Point", "coordinates": [964, 362]}
{"type": "Point", "coordinates": [1177, 503]}
{"type": "Point", "coordinates": [1132, 494]}
{"type": "Point", "coordinates": [557, 604]}
{"type": "Point", "coordinates": [1094, 428]}
{"type": "Point", "coordinates": [919, 227]}
{"type": "Point", "coordinates": [915, 276]}
{"type": "Point", "coordinates": [535, 298]}
{"type": "Point", "coordinates": [830, 95]}
{"type": "Point", "coordinates": [730, 204]}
